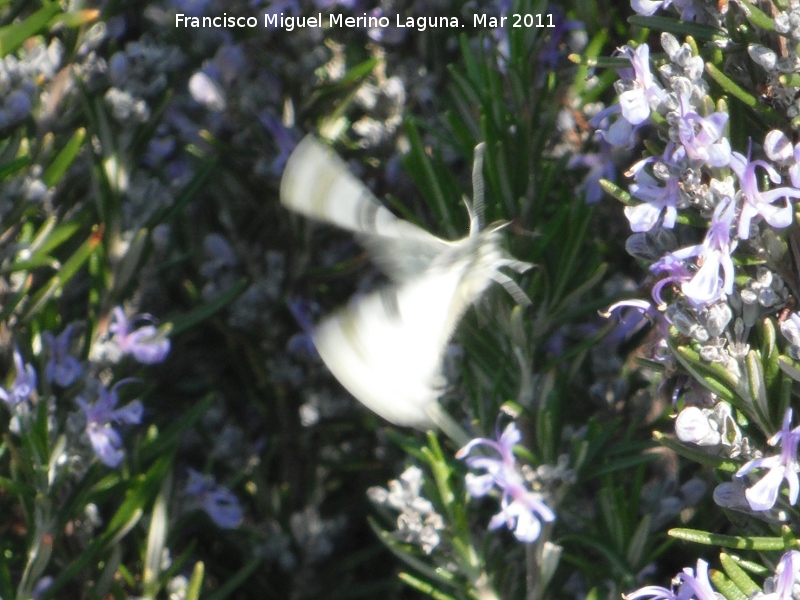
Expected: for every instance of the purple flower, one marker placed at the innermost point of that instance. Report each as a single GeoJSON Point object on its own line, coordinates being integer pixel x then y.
{"type": "Point", "coordinates": [329, 4]}
{"type": "Point", "coordinates": [640, 312]}
{"type": "Point", "coordinates": [657, 199]}
{"type": "Point", "coordinates": [779, 149]}
{"type": "Point", "coordinates": [17, 106]}
{"type": "Point", "coordinates": [649, 7]}
{"type": "Point", "coordinates": [218, 502]}
{"type": "Point", "coordinates": [24, 385]}
{"type": "Point", "coordinates": [552, 51]}
{"type": "Point", "coordinates": [391, 35]}
{"type": "Point", "coordinates": [677, 273]}
{"type": "Point", "coordinates": [62, 368]}
{"type": "Point", "coordinates": [302, 344]}
{"type": "Point", "coordinates": [106, 441]}
{"type": "Point", "coordinates": [702, 137]}
{"type": "Point", "coordinates": [757, 202]}
{"type": "Point", "coordinates": [619, 133]}
{"type": "Point", "coordinates": [763, 494]}
{"type": "Point", "coordinates": [691, 586]}
{"type": "Point", "coordinates": [645, 93]}
{"type": "Point", "coordinates": [192, 8]}
{"type": "Point", "coordinates": [521, 510]}
{"type": "Point", "coordinates": [227, 64]}
{"type": "Point", "coordinates": [284, 140]}
{"type": "Point", "coordinates": [144, 343]}
{"type": "Point", "coordinates": [714, 253]}
{"type": "Point", "coordinates": [600, 165]}
{"type": "Point", "coordinates": [41, 587]}
{"type": "Point", "coordinates": [785, 575]}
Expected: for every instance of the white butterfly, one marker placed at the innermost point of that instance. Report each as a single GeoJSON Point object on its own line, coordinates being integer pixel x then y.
{"type": "Point", "coordinates": [387, 347]}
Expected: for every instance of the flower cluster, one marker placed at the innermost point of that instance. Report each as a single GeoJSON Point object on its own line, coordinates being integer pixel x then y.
{"type": "Point", "coordinates": [705, 291]}
{"type": "Point", "coordinates": [418, 522]}
{"type": "Point", "coordinates": [521, 510]}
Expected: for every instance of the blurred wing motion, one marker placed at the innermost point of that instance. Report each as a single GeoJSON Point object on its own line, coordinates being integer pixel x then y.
{"type": "Point", "coordinates": [387, 347]}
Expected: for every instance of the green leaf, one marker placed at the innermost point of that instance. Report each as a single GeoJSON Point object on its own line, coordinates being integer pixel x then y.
{"type": "Point", "coordinates": [748, 565]}
{"type": "Point", "coordinates": [617, 192]}
{"type": "Point", "coordinates": [196, 582]}
{"type": "Point", "coordinates": [725, 586]}
{"type": "Point", "coordinates": [55, 171]}
{"type": "Point", "coordinates": [712, 376]}
{"type": "Point", "coordinates": [680, 28]}
{"type": "Point", "coordinates": [738, 575]}
{"type": "Point", "coordinates": [237, 579]}
{"type": "Point", "coordinates": [12, 36]}
{"type": "Point", "coordinates": [758, 390]}
{"type": "Point", "coordinates": [14, 166]}
{"type": "Point", "coordinates": [604, 62]}
{"type": "Point", "coordinates": [696, 454]}
{"type": "Point", "coordinates": [208, 309]}
{"type": "Point", "coordinates": [75, 18]}
{"type": "Point", "coordinates": [401, 551]}
{"type": "Point", "coordinates": [156, 541]}
{"type": "Point", "coordinates": [424, 587]}
{"type": "Point", "coordinates": [421, 167]}
{"type": "Point", "coordinates": [756, 16]}
{"type": "Point", "coordinates": [638, 542]}
{"type": "Point", "coordinates": [735, 90]}
{"type": "Point", "coordinates": [67, 271]}
{"type": "Point", "coordinates": [728, 541]}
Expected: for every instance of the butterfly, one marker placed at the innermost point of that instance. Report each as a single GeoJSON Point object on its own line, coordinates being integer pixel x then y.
{"type": "Point", "coordinates": [387, 347]}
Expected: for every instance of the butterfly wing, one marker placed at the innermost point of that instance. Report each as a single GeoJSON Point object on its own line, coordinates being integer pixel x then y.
{"type": "Point", "coordinates": [386, 348]}
{"type": "Point", "coordinates": [317, 183]}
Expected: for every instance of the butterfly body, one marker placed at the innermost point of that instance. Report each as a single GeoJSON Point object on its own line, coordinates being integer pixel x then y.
{"type": "Point", "coordinates": [386, 347]}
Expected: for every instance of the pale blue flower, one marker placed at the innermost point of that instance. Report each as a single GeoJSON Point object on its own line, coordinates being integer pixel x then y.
{"type": "Point", "coordinates": [282, 136]}
{"type": "Point", "coordinates": [601, 166]}
{"type": "Point", "coordinates": [106, 441]}
{"type": "Point", "coordinates": [144, 343]}
{"type": "Point", "coordinates": [637, 314]}
{"type": "Point", "coordinates": [779, 148]}
{"type": "Point", "coordinates": [785, 575]}
{"type": "Point", "coordinates": [764, 493]}
{"type": "Point", "coordinates": [649, 7]}
{"type": "Point", "coordinates": [702, 137]}
{"type": "Point", "coordinates": [24, 385]}
{"type": "Point", "coordinates": [62, 368]}
{"type": "Point", "coordinates": [713, 254]}
{"type": "Point", "coordinates": [761, 203]}
{"type": "Point", "coordinates": [521, 510]}
{"type": "Point", "coordinates": [690, 586]}
{"type": "Point", "coordinates": [217, 501]}
{"type": "Point", "coordinates": [41, 587]}
{"type": "Point", "coordinates": [657, 200]}
{"type": "Point", "coordinates": [645, 93]}
{"type": "Point", "coordinates": [620, 133]}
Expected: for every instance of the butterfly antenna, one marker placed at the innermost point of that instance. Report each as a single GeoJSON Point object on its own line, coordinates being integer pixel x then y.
{"type": "Point", "coordinates": [513, 289]}
{"type": "Point", "coordinates": [478, 189]}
